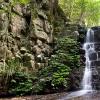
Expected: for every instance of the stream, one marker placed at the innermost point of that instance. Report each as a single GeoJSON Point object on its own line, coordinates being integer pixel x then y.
{"type": "Point", "coordinates": [95, 95]}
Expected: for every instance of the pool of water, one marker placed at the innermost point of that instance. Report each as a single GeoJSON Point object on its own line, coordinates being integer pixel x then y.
{"type": "Point", "coordinates": [82, 95]}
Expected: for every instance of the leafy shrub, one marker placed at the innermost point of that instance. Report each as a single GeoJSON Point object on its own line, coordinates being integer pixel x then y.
{"type": "Point", "coordinates": [53, 77]}
{"type": "Point", "coordinates": [17, 80]}
{"type": "Point", "coordinates": [65, 58]}
{"type": "Point", "coordinates": [21, 83]}
{"type": "Point", "coordinates": [7, 69]}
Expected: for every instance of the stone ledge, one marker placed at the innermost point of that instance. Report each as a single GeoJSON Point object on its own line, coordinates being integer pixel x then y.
{"type": "Point", "coordinates": [95, 63]}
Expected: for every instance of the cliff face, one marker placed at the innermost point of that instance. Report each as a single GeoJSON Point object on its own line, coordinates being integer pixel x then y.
{"type": "Point", "coordinates": [26, 31]}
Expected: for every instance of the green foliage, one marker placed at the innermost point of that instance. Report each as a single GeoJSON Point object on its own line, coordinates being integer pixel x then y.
{"type": "Point", "coordinates": [9, 67]}
{"type": "Point", "coordinates": [53, 77]}
{"type": "Point", "coordinates": [21, 83]}
{"type": "Point", "coordinates": [20, 1]}
{"type": "Point", "coordinates": [68, 52]}
{"type": "Point", "coordinates": [82, 11]}
{"type": "Point", "coordinates": [64, 59]}
{"type": "Point", "coordinates": [17, 79]}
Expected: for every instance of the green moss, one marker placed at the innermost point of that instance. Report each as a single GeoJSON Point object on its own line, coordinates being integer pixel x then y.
{"type": "Point", "coordinates": [20, 2]}
{"type": "Point", "coordinates": [14, 14]}
{"type": "Point", "coordinates": [24, 1]}
{"type": "Point", "coordinates": [2, 11]}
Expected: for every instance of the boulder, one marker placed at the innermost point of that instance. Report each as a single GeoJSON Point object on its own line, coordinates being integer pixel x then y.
{"type": "Point", "coordinates": [28, 57]}
{"type": "Point", "coordinates": [42, 14]}
{"type": "Point", "coordinates": [42, 36]}
{"type": "Point", "coordinates": [30, 64]}
{"type": "Point", "coordinates": [39, 42]}
{"type": "Point", "coordinates": [17, 9]}
{"type": "Point", "coordinates": [38, 23]}
{"type": "Point", "coordinates": [23, 50]}
{"type": "Point", "coordinates": [18, 24]}
{"type": "Point", "coordinates": [3, 22]}
{"type": "Point", "coordinates": [45, 4]}
{"type": "Point", "coordinates": [26, 10]}
{"type": "Point", "coordinates": [37, 50]}
{"type": "Point", "coordinates": [40, 58]}
{"type": "Point", "coordinates": [9, 54]}
{"type": "Point", "coordinates": [39, 65]}
{"type": "Point", "coordinates": [3, 51]}
{"type": "Point", "coordinates": [46, 50]}
{"type": "Point", "coordinates": [48, 28]}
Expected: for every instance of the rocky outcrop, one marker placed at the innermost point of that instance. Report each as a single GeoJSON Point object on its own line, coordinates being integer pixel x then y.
{"type": "Point", "coordinates": [26, 32]}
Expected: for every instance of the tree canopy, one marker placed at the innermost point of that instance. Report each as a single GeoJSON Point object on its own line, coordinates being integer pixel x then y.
{"type": "Point", "coordinates": [82, 11]}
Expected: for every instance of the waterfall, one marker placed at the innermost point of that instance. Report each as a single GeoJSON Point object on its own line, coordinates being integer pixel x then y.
{"type": "Point", "coordinates": [89, 82]}
{"type": "Point", "coordinates": [89, 48]}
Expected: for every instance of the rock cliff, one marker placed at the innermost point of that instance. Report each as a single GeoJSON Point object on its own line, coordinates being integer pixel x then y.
{"type": "Point", "coordinates": [26, 31]}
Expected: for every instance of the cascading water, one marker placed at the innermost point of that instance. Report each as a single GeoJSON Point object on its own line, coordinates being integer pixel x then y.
{"type": "Point", "coordinates": [89, 49]}
{"type": "Point", "coordinates": [87, 82]}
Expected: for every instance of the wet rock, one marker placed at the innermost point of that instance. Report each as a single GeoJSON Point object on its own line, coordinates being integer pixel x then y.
{"type": "Point", "coordinates": [82, 51]}
{"type": "Point", "coordinates": [23, 50]}
{"type": "Point", "coordinates": [3, 50]}
{"type": "Point", "coordinates": [93, 56]}
{"type": "Point", "coordinates": [41, 14]}
{"type": "Point", "coordinates": [46, 50]}
{"type": "Point", "coordinates": [95, 63]}
{"type": "Point", "coordinates": [30, 64]}
{"type": "Point", "coordinates": [28, 57]}
{"type": "Point", "coordinates": [18, 24]}
{"type": "Point", "coordinates": [48, 28]}
{"type": "Point", "coordinates": [39, 42]}
{"type": "Point", "coordinates": [38, 23]}
{"type": "Point", "coordinates": [96, 34]}
{"type": "Point", "coordinates": [14, 49]}
{"type": "Point", "coordinates": [45, 4]}
{"type": "Point", "coordinates": [97, 46]}
{"type": "Point", "coordinates": [37, 50]}
{"type": "Point", "coordinates": [18, 57]}
{"type": "Point", "coordinates": [9, 54]}
{"type": "Point", "coordinates": [42, 36]}
{"type": "Point", "coordinates": [40, 58]}
{"type": "Point", "coordinates": [26, 10]}
{"type": "Point", "coordinates": [99, 55]}
{"type": "Point", "coordinates": [17, 9]}
{"type": "Point", "coordinates": [39, 65]}
{"type": "Point", "coordinates": [3, 22]}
